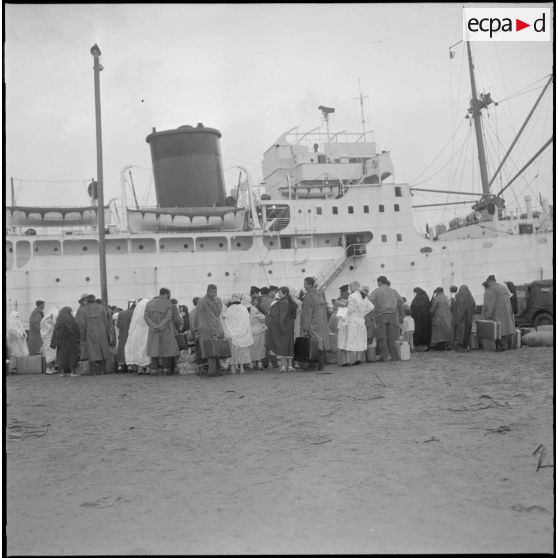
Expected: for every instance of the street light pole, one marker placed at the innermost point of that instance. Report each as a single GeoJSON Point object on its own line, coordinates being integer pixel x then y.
{"type": "Point", "coordinates": [97, 67]}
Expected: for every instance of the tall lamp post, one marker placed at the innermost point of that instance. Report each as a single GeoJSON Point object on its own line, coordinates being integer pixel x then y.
{"type": "Point", "coordinates": [97, 67]}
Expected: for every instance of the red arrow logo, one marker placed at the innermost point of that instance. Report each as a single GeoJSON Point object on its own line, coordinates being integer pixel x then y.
{"type": "Point", "coordinates": [519, 25]}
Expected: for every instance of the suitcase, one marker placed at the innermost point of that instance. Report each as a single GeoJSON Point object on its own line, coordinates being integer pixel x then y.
{"type": "Point", "coordinates": [488, 329]}
{"type": "Point", "coordinates": [217, 348]}
{"type": "Point", "coordinates": [488, 344]}
{"type": "Point", "coordinates": [403, 350]}
{"type": "Point", "coordinates": [34, 364]}
{"type": "Point", "coordinates": [306, 349]}
{"type": "Point", "coordinates": [371, 355]}
{"type": "Point", "coordinates": [182, 341]}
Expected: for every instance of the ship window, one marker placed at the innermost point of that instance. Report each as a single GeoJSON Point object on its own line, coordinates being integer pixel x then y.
{"type": "Point", "coordinates": [87, 279]}
{"type": "Point", "coordinates": [162, 246]}
{"type": "Point", "coordinates": [381, 208]}
{"type": "Point", "coordinates": [382, 266]}
{"type": "Point", "coordinates": [366, 209]}
{"type": "Point", "coordinates": [303, 270]}
{"type": "Point", "coordinates": [398, 191]}
{"type": "Point", "coordinates": [271, 242]}
{"type": "Point", "coordinates": [270, 272]}
{"type": "Point", "coordinates": [300, 210]}
{"type": "Point", "coordinates": [327, 241]}
{"type": "Point", "coordinates": [11, 250]}
{"type": "Point", "coordinates": [396, 207]}
{"type": "Point", "coordinates": [399, 237]}
{"type": "Point", "coordinates": [321, 159]}
{"type": "Point", "coordinates": [84, 248]}
{"type": "Point", "coordinates": [318, 210]}
{"type": "Point", "coordinates": [220, 245]}
{"type": "Point", "coordinates": [384, 238]}
{"type": "Point", "coordinates": [227, 273]}
{"type": "Point", "coordinates": [116, 277]}
{"type": "Point", "coordinates": [209, 274]}
{"type": "Point", "coordinates": [412, 263]}
{"type": "Point", "coordinates": [58, 279]}
{"type": "Point", "coordinates": [140, 246]}
{"type": "Point", "coordinates": [202, 245]}
{"type": "Point", "coordinates": [55, 248]}
{"type": "Point", "coordinates": [186, 246]}
{"type": "Point", "coordinates": [238, 244]}
{"type": "Point", "coordinates": [303, 242]}
{"type": "Point", "coordinates": [309, 211]}
{"type": "Point", "coordinates": [334, 210]}
{"type": "Point", "coordinates": [351, 209]}
{"type": "Point", "coordinates": [118, 247]}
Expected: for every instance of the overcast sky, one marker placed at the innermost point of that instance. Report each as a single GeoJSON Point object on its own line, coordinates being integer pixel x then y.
{"type": "Point", "coordinates": [253, 72]}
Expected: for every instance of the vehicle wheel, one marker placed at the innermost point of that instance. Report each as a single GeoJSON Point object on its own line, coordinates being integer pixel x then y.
{"type": "Point", "coordinates": [543, 319]}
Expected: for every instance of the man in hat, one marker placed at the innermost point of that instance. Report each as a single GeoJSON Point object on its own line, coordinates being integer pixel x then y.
{"type": "Point", "coordinates": [255, 294]}
{"type": "Point", "coordinates": [209, 325]}
{"type": "Point", "coordinates": [497, 307]}
{"type": "Point", "coordinates": [97, 335]}
{"type": "Point", "coordinates": [35, 341]}
{"type": "Point", "coordinates": [344, 292]}
{"type": "Point", "coordinates": [163, 321]}
{"type": "Point", "coordinates": [82, 302]}
{"type": "Point", "coordinates": [388, 308]}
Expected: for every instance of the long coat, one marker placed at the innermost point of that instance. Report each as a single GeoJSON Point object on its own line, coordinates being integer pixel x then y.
{"type": "Point", "coordinates": [66, 340]}
{"type": "Point", "coordinates": [95, 331]}
{"type": "Point", "coordinates": [313, 318]}
{"type": "Point", "coordinates": [442, 331]}
{"type": "Point", "coordinates": [497, 307]}
{"type": "Point", "coordinates": [160, 317]}
{"type": "Point", "coordinates": [123, 324]}
{"type": "Point", "coordinates": [208, 320]}
{"type": "Point", "coordinates": [280, 323]}
{"type": "Point", "coordinates": [352, 334]}
{"type": "Point", "coordinates": [34, 340]}
{"type": "Point", "coordinates": [462, 311]}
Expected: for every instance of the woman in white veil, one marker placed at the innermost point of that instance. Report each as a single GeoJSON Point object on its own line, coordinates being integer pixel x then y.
{"type": "Point", "coordinates": [17, 338]}
{"type": "Point", "coordinates": [136, 344]}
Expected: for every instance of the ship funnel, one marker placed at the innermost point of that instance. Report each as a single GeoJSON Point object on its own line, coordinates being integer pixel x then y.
{"type": "Point", "coordinates": [187, 167]}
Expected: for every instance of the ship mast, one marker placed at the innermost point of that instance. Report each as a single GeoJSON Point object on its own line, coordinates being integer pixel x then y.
{"type": "Point", "coordinates": [475, 110]}
{"type": "Point", "coordinates": [360, 98]}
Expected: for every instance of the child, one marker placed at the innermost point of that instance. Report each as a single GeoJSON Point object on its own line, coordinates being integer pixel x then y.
{"type": "Point", "coordinates": [408, 328]}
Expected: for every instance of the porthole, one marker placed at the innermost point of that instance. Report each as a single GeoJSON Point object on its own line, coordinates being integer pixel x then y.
{"type": "Point", "coordinates": [162, 246]}
{"type": "Point", "coordinates": [11, 250]}
{"type": "Point", "coordinates": [351, 267]}
{"type": "Point", "coordinates": [118, 247]}
{"type": "Point", "coordinates": [84, 249]}
{"type": "Point", "coordinates": [202, 245]}
{"type": "Point", "coordinates": [58, 279]}
{"type": "Point", "coordinates": [327, 241]}
{"type": "Point", "coordinates": [238, 244]}
{"type": "Point", "coordinates": [116, 277]}
{"type": "Point", "coordinates": [270, 272]}
{"type": "Point", "coordinates": [303, 242]}
{"type": "Point", "coordinates": [303, 270]}
{"type": "Point", "coordinates": [220, 245]}
{"type": "Point", "coordinates": [209, 274]}
{"type": "Point", "coordinates": [382, 266]}
{"type": "Point", "coordinates": [36, 249]}
{"type": "Point", "coordinates": [186, 246]}
{"type": "Point", "coordinates": [87, 279]}
{"type": "Point", "coordinates": [412, 263]}
{"type": "Point", "coordinates": [309, 211]}
{"type": "Point", "coordinates": [140, 246]}
{"type": "Point", "coordinates": [300, 210]}
{"type": "Point", "coordinates": [271, 242]}
{"type": "Point", "coordinates": [55, 249]}
{"type": "Point", "coordinates": [227, 273]}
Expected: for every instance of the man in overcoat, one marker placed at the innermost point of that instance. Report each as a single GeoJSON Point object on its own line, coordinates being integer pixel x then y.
{"type": "Point", "coordinates": [34, 340]}
{"type": "Point", "coordinates": [313, 317]}
{"type": "Point", "coordinates": [497, 307]}
{"type": "Point", "coordinates": [163, 322]}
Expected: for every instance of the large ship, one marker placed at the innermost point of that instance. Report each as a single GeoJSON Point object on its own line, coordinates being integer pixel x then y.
{"type": "Point", "coordinates": [327, 207]}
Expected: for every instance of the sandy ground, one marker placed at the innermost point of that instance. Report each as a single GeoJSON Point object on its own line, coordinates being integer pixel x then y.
{"type": "Point", "coordinates": [438, 459]}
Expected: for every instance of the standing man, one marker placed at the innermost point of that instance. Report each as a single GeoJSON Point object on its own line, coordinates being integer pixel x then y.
{"type": "Point", "coordinates": [123, 324]}
{"type": "Point", "coordinates": [35, 341]}
{"type": "Point", "coordinates": [163, 321]}
{"type": "Point", "coordinates": [97, 335]}
{"type": "Point", "coordinates": [313, 318]}
{"type": "Point", "coordinates": [497, 307]}
{"type": "Point", "coordinates": [208, 324]}
{"type": "Point", "coordinates": [388, 308]}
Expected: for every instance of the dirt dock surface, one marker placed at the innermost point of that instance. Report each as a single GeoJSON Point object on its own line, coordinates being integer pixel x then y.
{"type": "Point", "coordinates": [425, 456]}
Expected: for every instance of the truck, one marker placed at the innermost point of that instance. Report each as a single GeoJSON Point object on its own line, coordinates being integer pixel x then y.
{"type": "Point", "coordinates": [535, 303]}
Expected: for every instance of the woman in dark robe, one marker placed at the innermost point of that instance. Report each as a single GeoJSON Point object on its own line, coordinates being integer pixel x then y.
{"type": "Point", "coordinates": [66, 341]}
{"type": "Point", "coordinates": [462, 311]}
{"type": "Point", "coordinates": [420, 311]}
{"type": "Point", "coordinates": [442, 332]}
{"type": "Point", "coordinates": [280, 323]}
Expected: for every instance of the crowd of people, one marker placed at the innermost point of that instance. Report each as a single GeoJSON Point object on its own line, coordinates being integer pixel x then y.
{"type": "Point", "coordinates": [253, 331]}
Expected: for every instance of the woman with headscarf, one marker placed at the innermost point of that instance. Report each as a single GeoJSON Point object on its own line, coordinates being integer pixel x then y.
{"type": "Point", "coordinates": [16, 338]}
{"type": "Point", "coordinates": [280, 322]}
{"type": "Point", "coordinates": [352, 338]}
{"type": "Point", "coordinates": [258, 327]}
{"type": "Point", "coordinates": [462, 312]}
{"type": "Point", "coordinates": [66, 341]}
{"type": "Point", "coordinates": [47, 328]}
{"type": "Point", "coordinates": [442, 332]}
{"type": "Point", "coordinates": [236, 325]}
{"type": "Point", "coordinates": [135, 350]}
{"type": "Point", "coordinates": [420, 311]}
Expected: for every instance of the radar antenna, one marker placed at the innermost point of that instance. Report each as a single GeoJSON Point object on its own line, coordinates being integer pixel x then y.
{"type": "Point", "coordinates": [326, 111]}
